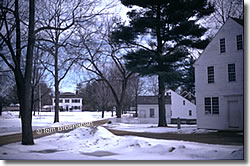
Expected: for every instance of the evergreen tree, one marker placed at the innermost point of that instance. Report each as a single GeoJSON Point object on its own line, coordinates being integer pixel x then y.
{"type": "Point", "coordinates": [188, 75]}
{"type": "Point", "coordinates": [162, 31]}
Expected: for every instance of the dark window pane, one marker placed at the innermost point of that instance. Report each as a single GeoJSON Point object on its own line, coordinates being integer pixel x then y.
{"type": "Point", "coordinates": [210, 74]}
{"type": "Point", "coordinates": [215, 105]}
{"type": "Point", "coordinates": [239, 42]}
{"type": "Point", "coordinates": [231, 72]}
{"type": "Point", "coordinates": [222, 45]}
{"type": "Point", "coordinates": [207, 101]}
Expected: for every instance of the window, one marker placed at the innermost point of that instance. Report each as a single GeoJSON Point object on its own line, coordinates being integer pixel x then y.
{"type": "Point", "coordinates": [211, 105]}
{"type": "Point", "coordinates": [60, 101]}
{"type": "Point", "coordinates": [231, 72]}
{"type": "Point", "coordinates": [152, 113]}
{"type": "Point", "coordinates": [210, 74]}
{"type": "Point", "coordinates": [190, 112]}
{"type": "Point", "coordinates": [66, 100]}
{"type": "Point", "coordinates": [239, 42]}
{"type": "Point", "coordinates": [183, 102]}
{"type": "Point", "coordinates": [207, 105]}
{"type": "Point", "coordinates": [75, 100]}
{"type": "Point", "coordinates": [215, 105]}
{"type": "Point", "coordinates": [222, 45]}
{"type": "Point", "coordinates": [76, 107]}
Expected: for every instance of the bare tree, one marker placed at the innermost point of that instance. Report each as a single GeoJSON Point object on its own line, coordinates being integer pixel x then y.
{"type": "Point", "coordinates": [66, 16]}
{"type": "Point", "coordinates": [38, 75]}
{"type": "Point", "coordinates": [136, 87]}
{"type": "Point", "coordinates": [17, 39]}
{"type": "Point", "coordinates": [99, 53]}
{"type": "Point", "coordinates": [5, 81]}
{"type": "Point", "coordinates": [11, 25]}
{"type": "Point", "coordinates": [227, 8]}
{"type": "Point", "coordinates": [223, 10]}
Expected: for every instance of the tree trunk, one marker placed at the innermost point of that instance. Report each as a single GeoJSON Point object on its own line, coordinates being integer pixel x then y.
{"type": "Point", "coordinates": [118, 110]}
{"type": "Point", "coordinates": [25, 106]}
{"type": "Point", "coordinates": [161, 102]}
{"type": "Point", "coordinates": [136, 101]}
{"type": "Point", "coordinates": [24, 97]}
{"type": "Point", "coordinates": [26, 118]}
{"type": "Point", "coordinates": [1, 108]}
{"type": "Point", "coordinates": [102, 113]}
{"type": "Point", "coordinates": [56, 119]}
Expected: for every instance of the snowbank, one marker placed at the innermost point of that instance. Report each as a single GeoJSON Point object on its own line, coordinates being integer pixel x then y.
{"type": "Point", "coordinates": [99, 144]}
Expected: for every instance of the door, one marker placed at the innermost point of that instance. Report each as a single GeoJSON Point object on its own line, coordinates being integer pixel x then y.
{"type": "Point", "coordinates": [234, 114]}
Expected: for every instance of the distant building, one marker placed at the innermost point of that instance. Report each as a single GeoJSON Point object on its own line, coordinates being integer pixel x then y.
{"type": "Point", "coordinates": [182, 108]}
{"type": "Point", "coordinates": [12, 107]}
{"type": "Point", "coordinates": [148, 109]}
{"type": "Point", "coordinates": [69, 102]}
{"type": "Point", "coordinates": [219, 79]}
{"type": "Point", "coordinates": [176, 107]}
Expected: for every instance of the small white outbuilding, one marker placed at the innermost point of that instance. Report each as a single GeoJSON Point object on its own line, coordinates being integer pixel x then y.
{"type": "Point", "coordinates": [176, 107]}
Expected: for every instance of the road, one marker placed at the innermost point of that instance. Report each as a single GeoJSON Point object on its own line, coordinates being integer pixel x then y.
{"type": "Point", "coordinates": [220, 137]}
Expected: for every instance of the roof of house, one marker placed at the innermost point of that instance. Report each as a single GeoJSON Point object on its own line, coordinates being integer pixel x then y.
{"type": "Point", "coordinates": [69, 95]}
{"type": "Point", "coordinates": [239, 21]}
{"type": "Point", "coordinates": [151, 100]}
{"type": "Point", "coordinates": [187, 95]}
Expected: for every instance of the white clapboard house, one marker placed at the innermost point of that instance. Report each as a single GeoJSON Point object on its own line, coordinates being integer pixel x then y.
{"type": "Point", "coordinates": [69, 102]}
{"type": "Point", "coordinates": [176, 107]}
{"type": "Point", "coordinates": [182, 108]}
{"type": "Point", "coordinates": [219, 79]}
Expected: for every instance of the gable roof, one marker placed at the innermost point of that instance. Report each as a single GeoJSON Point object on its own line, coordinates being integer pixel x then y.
{"type": "Point", "coordinates": [237, 20]}
{"type": "Point", "coordinates": [152, 100]}
{"type": "Point", "coordinates": [187, 95]}
{"type": "Point", "coordinates": [68, 95]}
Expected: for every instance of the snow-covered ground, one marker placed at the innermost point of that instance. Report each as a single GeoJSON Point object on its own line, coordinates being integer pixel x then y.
{"type": "Point", "coordinates": [152, 128]}
{"type": "Point", "coordinates": [99, 144]}
{"type": "Point", "coordinates": [10, 123]}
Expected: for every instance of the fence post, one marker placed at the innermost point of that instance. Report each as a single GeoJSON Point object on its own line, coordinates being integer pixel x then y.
{"type": "Point", "coordinates": [178, 123]}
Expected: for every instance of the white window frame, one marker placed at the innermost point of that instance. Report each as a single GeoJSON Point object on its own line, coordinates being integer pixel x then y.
{"type": "Point", "coordinates": [212, 107]}
{"type": "Point", "coordinates": [231, 73]}
{"type": "Point", "coordinates": [210, 75]}
{"type": "Point", "coordinates": [222, 45]}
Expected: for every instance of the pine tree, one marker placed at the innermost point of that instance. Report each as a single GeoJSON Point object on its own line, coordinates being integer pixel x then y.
{"type": "Point", "coordinates": [162, 31]}
{"type": "Point", "coordinates": [188, 76]}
